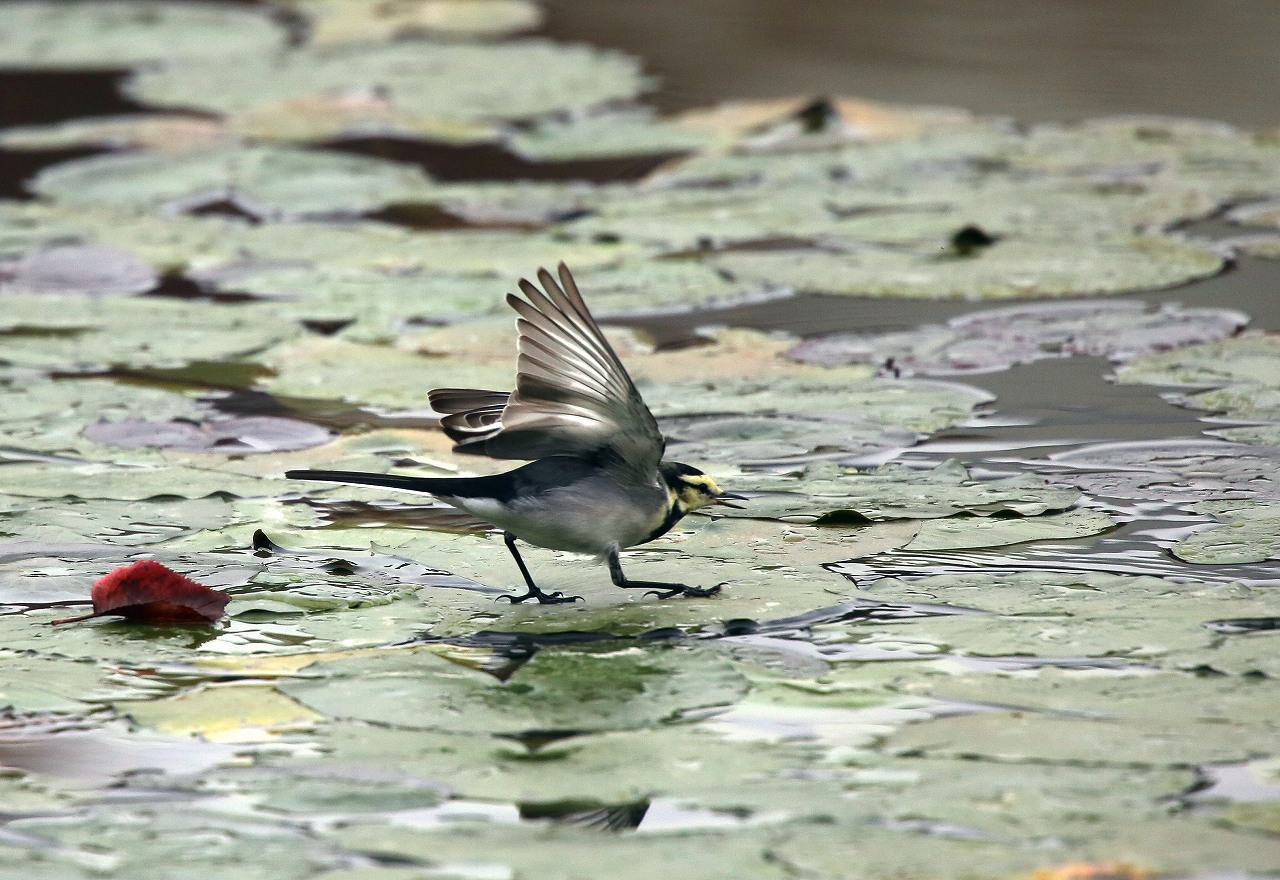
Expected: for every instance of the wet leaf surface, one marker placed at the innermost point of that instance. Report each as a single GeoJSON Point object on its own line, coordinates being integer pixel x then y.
{"type": "Point", "coordinates": [262, 182]}
{"type": "Point", "coordinates": [405, 85]}
{"type": "Point", "coordinates": [119, 35]}
{"type": "Point", "coordinates": [996, 339]}
{"type": "Point", "coordinates": [555, 691]}
{"type": "Point", "coordinates": [228, 435]}
{"type": "Point", "coordinates": [1026, 661]}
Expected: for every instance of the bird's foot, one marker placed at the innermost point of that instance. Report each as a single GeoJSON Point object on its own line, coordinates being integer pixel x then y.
{"type": "Point", "coordinates": [556, 598]}
{"type": "Point", "coordinates": [683, 590]}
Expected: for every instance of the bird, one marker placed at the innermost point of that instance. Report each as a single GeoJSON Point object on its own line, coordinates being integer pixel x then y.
{"type": "Point", "coordinates": [596, 482]}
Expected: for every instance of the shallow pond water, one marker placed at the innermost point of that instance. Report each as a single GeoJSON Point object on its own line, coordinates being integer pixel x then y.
{"type": "Point", "coordinates": [1003, 602]}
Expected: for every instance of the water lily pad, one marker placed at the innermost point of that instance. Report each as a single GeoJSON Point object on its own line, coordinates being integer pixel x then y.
{"type": "Point", "coordinates": [631, 132]}
{"type": "Point", "coordinates": [1176, 470]}
{"type": "Point", "coordinates": [333, 22]}
{"type": "Point", "coordinates": [565, 853]}
{"type": "Point", "coordinates": [153, 842]}
{"type": "Point", "coordinates": [157, 132]}
{"type": "Point", "coordinates": [35, 683]}
{"type": "Point", "coordinates": [1146, 621]}
{"type": "Point", "coordinates": [1250, 358]}
{"type": "Point", "coordinates": [611, 766]}
{"type": "Point", "coordinates": [1109, 719]}
{"type": "Point", "coordinates": [126, 523]}
{"type": "Point", "coordinates": [556, 690]}
{"type": "Point", "coordinates": [120, 35]}
{"type": "Point", "coordinates": [136, 331]}
{"type": "Point", "coordinates": [1011, 268]}
{"type": "Point", "coordinates": [231, 712]}
{"type": "Point", "coordinates": [450, 82]}
{"type": "Point", "coordinates": [996, 339]}
{"type": "Point", "coordinates": [247, 434]}
{"type": "Point", "coordinates": [1249, 532]}
{"type": "Point", "coordinates": [263, 182]}
{"type": "Point", "coordinates": [95, 270]}
{"type": "Point", "coordinates": [1241, 374]}
{"type": "Point", "coordinates": [895, 492]}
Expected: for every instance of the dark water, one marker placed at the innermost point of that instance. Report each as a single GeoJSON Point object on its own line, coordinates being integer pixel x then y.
{"type": "Point", "coordinates": [1034, 60]}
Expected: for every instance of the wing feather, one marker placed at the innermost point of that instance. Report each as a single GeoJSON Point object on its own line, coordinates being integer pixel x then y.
{"type": "Point", "coordinates": [573, 396]}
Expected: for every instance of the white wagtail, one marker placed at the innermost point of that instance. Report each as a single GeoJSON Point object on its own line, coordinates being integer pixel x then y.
{"type": "Point", "coordinates": [596, 481]}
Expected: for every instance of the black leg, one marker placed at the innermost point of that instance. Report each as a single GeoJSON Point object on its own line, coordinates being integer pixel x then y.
{"type": "Point", "coordinates": [661, 589]}
{"type": "Point", "coordinates": [556, 598]}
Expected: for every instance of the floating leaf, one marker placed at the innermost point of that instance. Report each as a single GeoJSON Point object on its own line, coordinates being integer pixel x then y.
{"type": "Point", "coordinates": [631, 132]}
{"type": "Point", "coordinates": [229, 436]}
{"type": "Point", "coordinates": [1008, 269]}
{"type": "Point", "coordinates": [826, 494]}
{"type": "Point", "coordinates": [451, 82]}
{"type": "Point", "coordinates": [229, 712]}
{"type": "Point", "coordinates": [95, 270]}
{"type": "Point", "coordinates": [1249, 531]}
{"type": "Point", "coordinates": [157, 132]}
{"type": "Point", "coordinates": [996, 339]}
{"type": "Point", "coordinates": [149, 592]}
{"type": "Point", "coordinates": [1176, 470]}
{"type": "Point", "coordinates": [262, 182]}
{"type": "Point", "coordinates": [555, 691]}
{"type": "Point", "coordinates": [333, 22]}
{"type": "Point", "coordinates": [1101, 719]}
{"type": "Point", "coordinates": [120, 35]}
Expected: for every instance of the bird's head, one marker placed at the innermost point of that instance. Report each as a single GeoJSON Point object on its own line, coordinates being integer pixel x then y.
{"type": "Point", "coordinates": [691, 489]}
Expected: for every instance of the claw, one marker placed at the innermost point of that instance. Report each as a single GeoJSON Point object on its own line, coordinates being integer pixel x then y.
{"type": "Point", "coordinates": [556, 598]}
{"type": "Point", "coordinates": [681, 590]}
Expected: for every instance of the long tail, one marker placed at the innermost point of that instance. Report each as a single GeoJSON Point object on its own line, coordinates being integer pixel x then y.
{"type": "Point", "coordinates": [432, 485]}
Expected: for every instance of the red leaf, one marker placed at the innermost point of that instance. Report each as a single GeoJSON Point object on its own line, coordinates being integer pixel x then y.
{"type": "Point", "coordinates": [148, 592]}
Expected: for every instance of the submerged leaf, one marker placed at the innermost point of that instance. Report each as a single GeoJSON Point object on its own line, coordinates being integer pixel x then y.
{"type": "Point", "coordinates": [95, 270]}
{"type": "Point", "coordinates": [150, 593]}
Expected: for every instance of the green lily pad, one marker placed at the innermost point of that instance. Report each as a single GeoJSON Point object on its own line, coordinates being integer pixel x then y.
{"type": "Point", "coordinates": [136, 331]}
{"type": "Point", "coordinates": [631, 132]}
{"type": "Point", "coordinates": [895, 492]}
{"type": "Point", "coordinates": [160, 132]}
{"type": "Point", "coordinates": [1251, 358]}
{"type": "Point", "coordinates": [263, 182]}
{"type": "Point", "coordinates": [1144, 621]}
{"type": "Point", "coordinates": [1099, 719]}
{"type": "Point", "coordinates": [1178, 470]}
{"type": "Point", "coordinates": [333, 22]}
{"type": "Point", "coordinates": [1249, 531]}
{"type": "Point", "coordinates": [121, 35]}
{"type": "Point", "coordinates": [556, 690]}
{"type": "Point", "coordinates": [119, 522]}
{"type": "Point", "coordinates": [450, 82]}
{"type": "Point", "coordinates": [1010, 268]}
{"type": "Point", "coordinates": [613, 766]}
{"type": "Point", "coordinates": [563, 853]}
{"type": "Point", "coordinates": [89, 269]}
{"type": "Point", "coordinates": [996, 339]}
{"type": "Point", "coordinates": [46, 684]}
{"type": "Point", "coordinates": [160, 842]}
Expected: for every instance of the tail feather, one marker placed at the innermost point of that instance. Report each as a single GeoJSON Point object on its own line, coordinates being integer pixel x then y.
{"type": "Point", "coordinates": [432, 485]}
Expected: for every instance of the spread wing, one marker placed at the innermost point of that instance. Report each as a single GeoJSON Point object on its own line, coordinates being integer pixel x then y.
{"type": "Point", "coordinates": [572, 397]}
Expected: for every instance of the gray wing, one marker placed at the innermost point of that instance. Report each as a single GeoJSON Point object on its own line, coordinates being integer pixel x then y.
{"type": "Point", "coordinates": [572, 397]}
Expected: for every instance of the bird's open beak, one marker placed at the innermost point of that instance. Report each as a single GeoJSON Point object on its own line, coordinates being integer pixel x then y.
{"type": "Point", "coordinates": [720, 499]}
